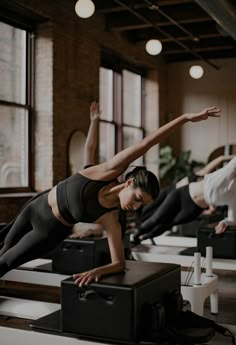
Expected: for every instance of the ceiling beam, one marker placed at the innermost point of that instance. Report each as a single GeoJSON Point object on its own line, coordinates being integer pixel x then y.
{"type": "Point", "coordinates": [223, 54]}
{"type": "Point", "coordinates": [201, 49]}
{"type": "Point", "coordinates": [126, 24]}
{"type": "Point", "coordinates": [224, 13]}
{"type": "Point", "coordinates": [179, 43]}
{"type": "Point", "coordinates": [103, 8]}
{"type": "Point", "coordinates": [186, 38]}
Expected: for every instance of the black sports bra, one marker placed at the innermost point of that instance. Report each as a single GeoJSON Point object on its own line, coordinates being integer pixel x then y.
{"type": "Point", "coordinates": [77, 199]}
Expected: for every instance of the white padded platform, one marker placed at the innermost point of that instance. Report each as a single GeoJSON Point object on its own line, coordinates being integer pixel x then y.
{"type": "Point", "coordinates": [173, 241]}
{"type": "Point", "coordinates": [35, 277]}
{"type": "Point", "coordinates": [36, 262]}
{"type": "Point", "coordinates": [26, 309]}
{"type": "Point", "coordinates": [170, 254]}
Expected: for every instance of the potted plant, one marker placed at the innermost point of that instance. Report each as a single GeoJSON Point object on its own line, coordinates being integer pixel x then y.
{"type": "Point", "coordinates": [172, 169]}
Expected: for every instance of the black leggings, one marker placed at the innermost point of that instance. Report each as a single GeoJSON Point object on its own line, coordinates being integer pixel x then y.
{"type": "Point", "coordinates": [149, 209]}
{"type": "Point", "coordinates": [34, 233]}
{"type": "Point", "coordinates": [177, 208]}
{"type": "Point", "coordinates": [4, 230]}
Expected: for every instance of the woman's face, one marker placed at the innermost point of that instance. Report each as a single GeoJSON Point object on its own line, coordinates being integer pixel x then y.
{"type": "Point", "coordinates": [132, 198]}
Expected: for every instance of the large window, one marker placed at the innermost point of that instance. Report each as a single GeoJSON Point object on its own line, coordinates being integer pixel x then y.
{"type": "Point", "coordinates": [121, 104]}
{"type": "Point", "coordinates": [107, 124]}
{"type": "Point", "coordinates": [132, 131]}
{"type": "Point", "coordinates": [15, 108]}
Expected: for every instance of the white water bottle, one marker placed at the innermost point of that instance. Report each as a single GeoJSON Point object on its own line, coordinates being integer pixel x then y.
{"type": "Point", "coordinates": [209, 256]}
{"type": "Point", "coordinates": [197, 269]}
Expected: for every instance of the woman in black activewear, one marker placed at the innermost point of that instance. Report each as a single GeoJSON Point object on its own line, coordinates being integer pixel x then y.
{"type": "Point", "coordinates": [93, 194]}
{"type": "Point", "coordinates": [177, 208]}
{"type": "Point", "coordinates": [150, 210]}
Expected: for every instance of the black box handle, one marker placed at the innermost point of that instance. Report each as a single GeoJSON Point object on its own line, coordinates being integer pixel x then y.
{"type": "Point", "coordinates": [92, 294]}
{"type": "Point", "coordinates": [216, 236]}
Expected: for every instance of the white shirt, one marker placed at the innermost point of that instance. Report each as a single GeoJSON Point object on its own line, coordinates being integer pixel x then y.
{"type": "Point", "coordinates": [219, 189]}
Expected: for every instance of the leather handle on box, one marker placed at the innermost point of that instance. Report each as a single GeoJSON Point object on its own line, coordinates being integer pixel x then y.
{"type": "Point", "coordinates": [216, 236]}
{"type": "Point", "coordinates": [69, 246]}
{"type": "Point", "coordinates": [92, 294]}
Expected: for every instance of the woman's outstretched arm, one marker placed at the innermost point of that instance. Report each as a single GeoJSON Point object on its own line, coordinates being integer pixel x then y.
{"type": "Point", "coordinates": [122, 159]}
{"type": "Point", "coordinates": [92, 136]}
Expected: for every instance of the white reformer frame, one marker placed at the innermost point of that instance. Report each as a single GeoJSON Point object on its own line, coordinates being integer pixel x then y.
{"type": "Point", "coordinates": [170, 254]}
{"type": "Point", "coordinates": [25, 308]}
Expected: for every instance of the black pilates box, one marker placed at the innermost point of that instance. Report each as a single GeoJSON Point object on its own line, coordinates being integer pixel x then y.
{"type": "Point", "coordinates": [224, 245]}
{"type": "Point", "coordinates": [117, 306]}
{"type": "Point", "coordinates": [79, 255]}
{"type": "Point", "coordinates": [191, 229]}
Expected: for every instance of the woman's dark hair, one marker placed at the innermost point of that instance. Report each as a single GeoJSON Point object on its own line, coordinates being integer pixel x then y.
{"type": "Point", "coordinates": [145, 180]}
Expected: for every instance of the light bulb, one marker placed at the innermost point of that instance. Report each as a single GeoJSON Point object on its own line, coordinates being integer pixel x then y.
{"type": "Point", "coordinates": [84, 8]}
{"type": "Point", "coordinates": [196, 72]}
{"type": "Point", "coordinates": [153, 47]}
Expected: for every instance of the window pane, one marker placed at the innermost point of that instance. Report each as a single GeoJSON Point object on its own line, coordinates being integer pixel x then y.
{"type": "Point", "coordinates": [13, 147]}
{"type": "Point", "coordinates": [106, 141]}
{"type": "Point", "coordinates": [131, 98]}
{"type": "Point", "coordinates": [131, 136]}
{"type": "Point", "coordinates": [106, 93]}
{"type": "Point", "coordinates": [12, 64]}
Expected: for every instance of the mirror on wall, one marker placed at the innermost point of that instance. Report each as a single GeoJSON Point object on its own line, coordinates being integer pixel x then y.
{"type": "Point", "coordinates": [76, 152]}
{"type": "Point", "coordinates": [229, 149]}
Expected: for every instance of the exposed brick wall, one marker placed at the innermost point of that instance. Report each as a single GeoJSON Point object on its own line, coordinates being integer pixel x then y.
{"type": "Point", "coordinates": [68, 54]}
{"type": "Point", "coordinates": [10, 206]}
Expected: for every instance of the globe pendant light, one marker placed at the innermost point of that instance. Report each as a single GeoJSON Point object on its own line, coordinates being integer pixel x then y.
{"type": "Point", "coordinates": [196, 72]}
{"type": "Point", "coordinates": [84, 8]}
{"type": "Point", "coordinates": [153, 47]}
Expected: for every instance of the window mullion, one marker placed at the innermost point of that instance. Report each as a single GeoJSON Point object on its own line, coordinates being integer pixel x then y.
{"type": "Point", "coordinates": [31, 104]}
{"type": "Point", "coordinates": [118, 106]}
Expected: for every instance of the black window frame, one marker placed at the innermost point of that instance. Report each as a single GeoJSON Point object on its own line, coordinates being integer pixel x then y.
{"type": "Point", "coordinates": [117, 65]}
{"type": "Point", "coordinates": [21, 17]}
{"type": "Point", "coordinates": [28, 106]}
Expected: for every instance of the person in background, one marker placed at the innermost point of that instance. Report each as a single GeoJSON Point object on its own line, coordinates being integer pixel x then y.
{"type": "Point", "coordinates": [149, 210]}
{"type": "Point", "coordinates": [186, 203]}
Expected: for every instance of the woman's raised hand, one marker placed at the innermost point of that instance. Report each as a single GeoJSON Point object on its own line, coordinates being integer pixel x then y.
{"type": "Point", "coordinates": [203, 115]}
{"type": "Point", "coordinates": [94, 111]}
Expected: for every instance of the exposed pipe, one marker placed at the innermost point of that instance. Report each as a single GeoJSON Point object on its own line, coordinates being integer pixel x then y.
{"type": "Point", "coordinates": [223, 12]}
{"type": "Point", "coordinates": [155, 26]}
{"type": "Point", "coordinates": [155, 7]}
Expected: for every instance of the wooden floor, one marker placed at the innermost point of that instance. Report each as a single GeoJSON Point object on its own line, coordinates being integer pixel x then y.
{"type": "Point", "coordinates": [227, 308]}
{"type": "Point", "coordinates": [225, 317]}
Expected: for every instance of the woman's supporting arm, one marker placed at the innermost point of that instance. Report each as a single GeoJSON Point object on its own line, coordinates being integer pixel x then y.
{"type": "Point", "coordinates": [113, 230]}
